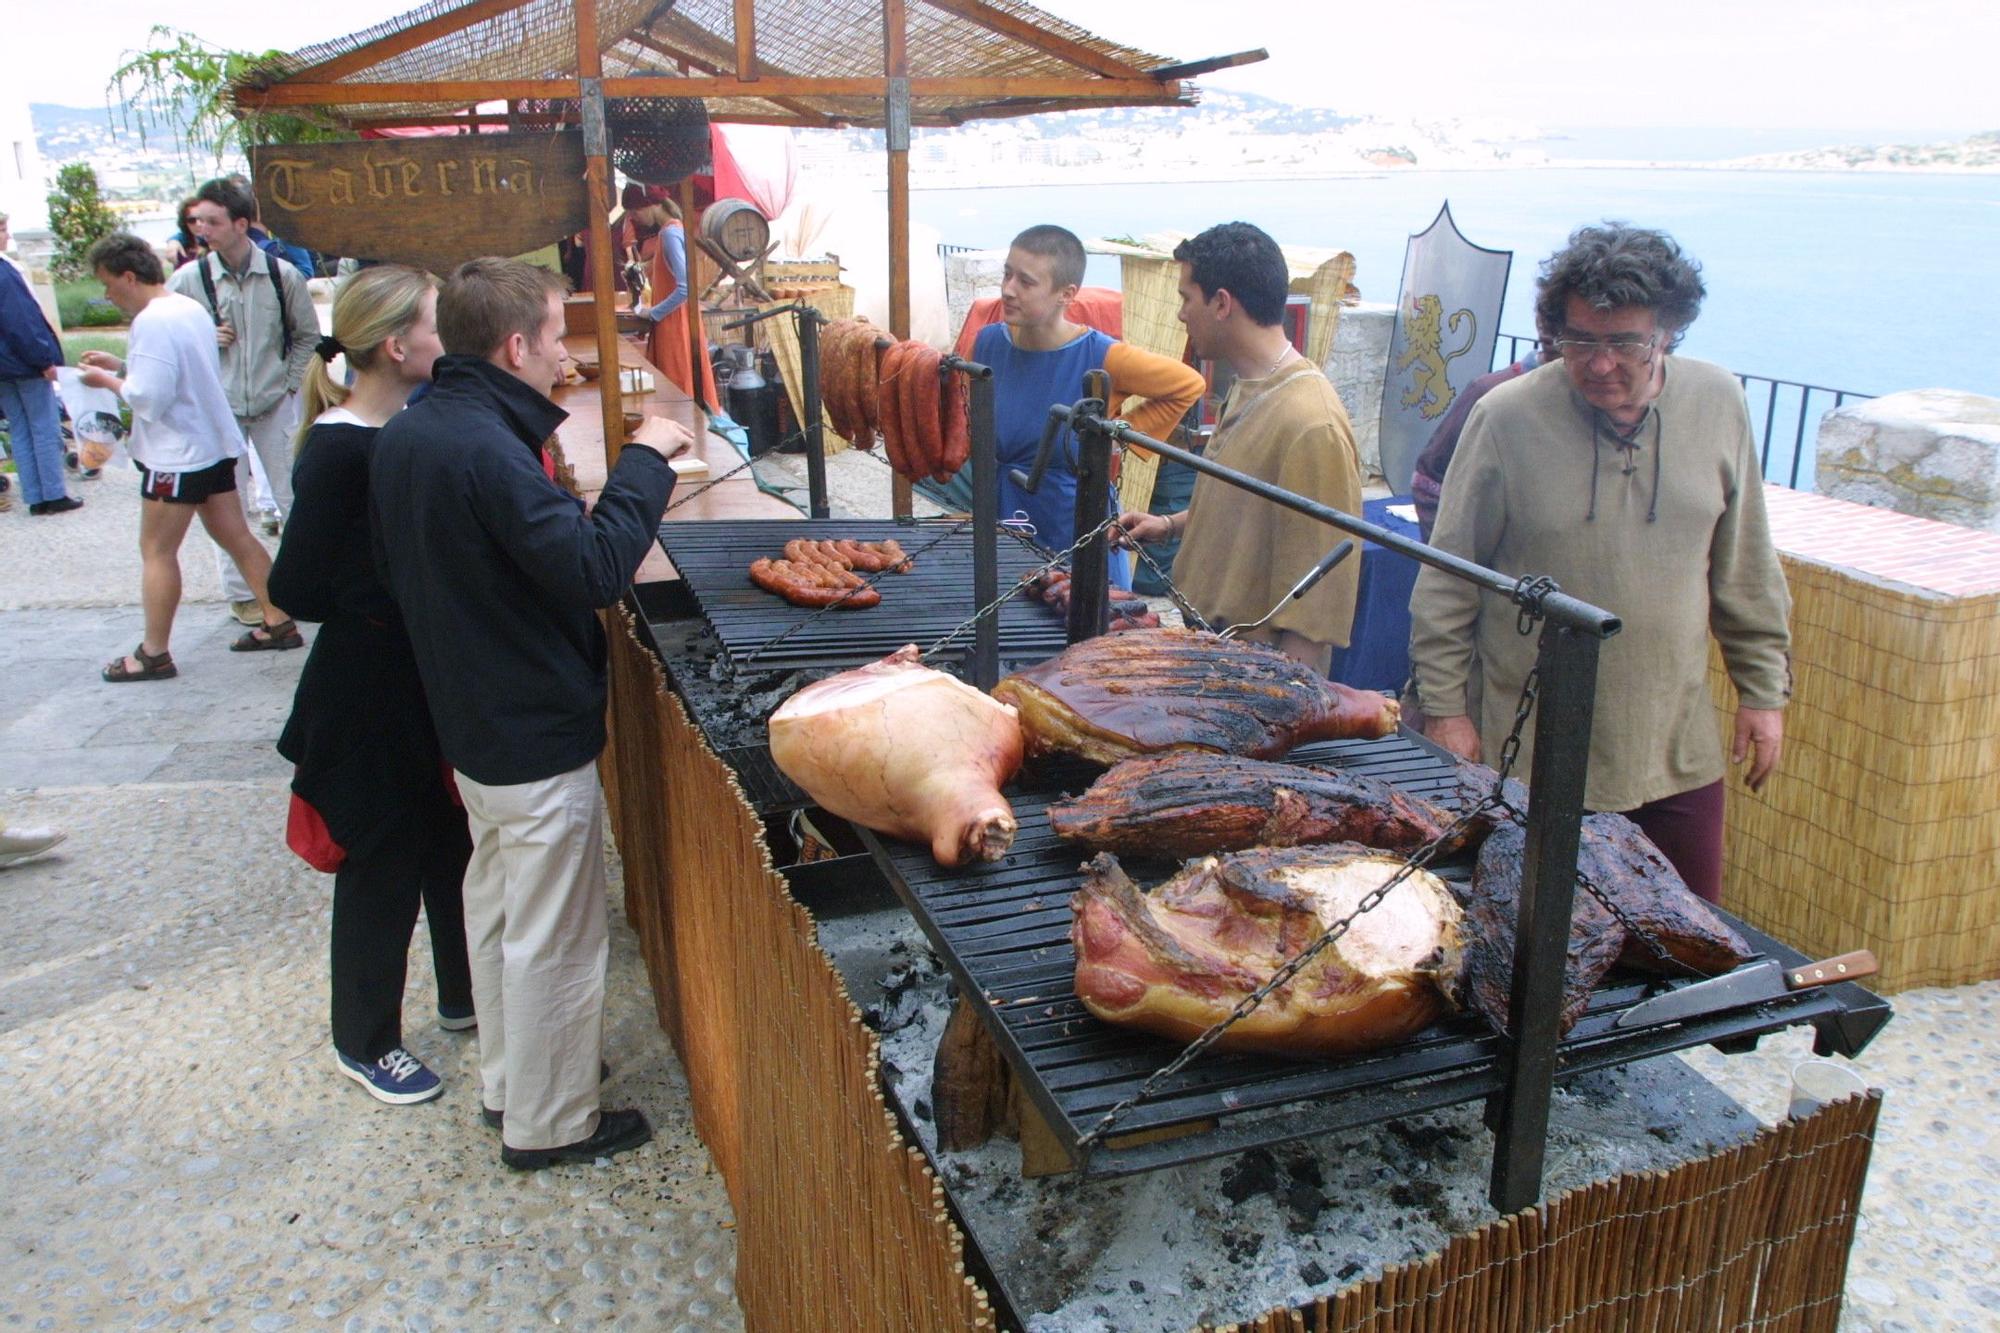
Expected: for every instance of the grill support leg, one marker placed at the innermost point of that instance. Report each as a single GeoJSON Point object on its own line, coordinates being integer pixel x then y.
{"type": "Point", "coordinates": [1567, 665]}
{"type": "Point", "coordinates": [985, 533]}
{"type": "Point", "coordinates": [816, 500]}
{"type": "Point", "coordinates": [1090, 567]}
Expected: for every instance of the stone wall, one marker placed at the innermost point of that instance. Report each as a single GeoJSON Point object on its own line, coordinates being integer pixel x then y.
{"type": "Point", "coordinates": [1933, 453]}
{"type": "Point", "coordinates": [1360, 354]}
{"type": "Point", "coordinates": [969, 275]}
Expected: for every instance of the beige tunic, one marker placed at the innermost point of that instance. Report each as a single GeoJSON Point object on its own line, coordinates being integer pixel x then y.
{"type": "Point", "coordinates": [1517, 498]}
{"type": "Point", "coordinates": [1242, 552]}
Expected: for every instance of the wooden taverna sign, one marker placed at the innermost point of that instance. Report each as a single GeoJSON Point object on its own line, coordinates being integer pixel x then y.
{"type": "Point", "coordinates": [433, 203]}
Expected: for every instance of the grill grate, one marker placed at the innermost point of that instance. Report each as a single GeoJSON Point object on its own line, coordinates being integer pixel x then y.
{"type": "Point", "coordinates": [1003, 929]}
{"type": "Point", "coordinates": [920, 607]}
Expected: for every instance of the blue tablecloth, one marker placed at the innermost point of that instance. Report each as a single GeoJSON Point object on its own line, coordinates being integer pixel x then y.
{"type": "Point", "coordinates": [1378, 655]}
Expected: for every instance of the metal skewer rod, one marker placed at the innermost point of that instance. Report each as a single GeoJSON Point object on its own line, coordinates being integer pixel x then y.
{"type": "Point", "coordinates": [1299, 589]}
{"type": "Point", "coordinates": [1558, 606]}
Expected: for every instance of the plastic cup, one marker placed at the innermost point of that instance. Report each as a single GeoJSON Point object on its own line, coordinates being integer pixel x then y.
{"type": "Point", "coordinates": [1817, 1082]}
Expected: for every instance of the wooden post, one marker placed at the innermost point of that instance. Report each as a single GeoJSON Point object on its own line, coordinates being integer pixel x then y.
{"type": "Point", "coordinates": [896, 65]}
{"type": "Point", "coordinates": [597, 176]}
{"type": "Point", "coordinates": [697, 339]}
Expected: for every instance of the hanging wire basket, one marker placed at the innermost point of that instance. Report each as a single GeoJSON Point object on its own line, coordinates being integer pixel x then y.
{"type": "Point", "coordinates": [658, 140]}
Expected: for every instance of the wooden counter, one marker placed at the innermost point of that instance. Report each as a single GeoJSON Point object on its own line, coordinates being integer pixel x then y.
{"type": "Point", "coordinates": [582, 438]}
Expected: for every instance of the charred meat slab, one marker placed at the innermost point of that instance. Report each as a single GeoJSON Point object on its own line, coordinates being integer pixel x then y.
{"type": "Point", "coordinates": [1193, 803]}
{"type": "Point", "coordinates": [1653, 898]}
{"type": "Point", "coordinates": [1492, 912]}
{"type": "Point", "coordinates": [1175, 961]}
{"type": "Point", "coordinates": [1116, 696]}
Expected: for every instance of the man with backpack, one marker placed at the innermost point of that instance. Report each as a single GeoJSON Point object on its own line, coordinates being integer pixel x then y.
{"type": "Point", "coordinates": [266, 329]}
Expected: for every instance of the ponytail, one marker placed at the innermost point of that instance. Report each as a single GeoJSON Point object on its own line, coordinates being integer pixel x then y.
{"type": "Point", "coordinates": [373, 306]}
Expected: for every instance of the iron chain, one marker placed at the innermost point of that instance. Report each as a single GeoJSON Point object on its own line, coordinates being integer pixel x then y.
{"type": "Point", "coordinates": [1495, 800]}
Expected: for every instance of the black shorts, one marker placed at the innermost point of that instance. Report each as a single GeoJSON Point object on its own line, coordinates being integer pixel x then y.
{"type": "Point", "coordinates": [186, 488]}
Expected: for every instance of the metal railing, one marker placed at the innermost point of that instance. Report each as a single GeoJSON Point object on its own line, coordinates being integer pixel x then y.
{"type": "Point", "coordinates": [1777, 407]}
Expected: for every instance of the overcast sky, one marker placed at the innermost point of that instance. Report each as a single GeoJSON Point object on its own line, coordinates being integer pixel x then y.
{"type": "Point", "coordinates": [1754, 64]}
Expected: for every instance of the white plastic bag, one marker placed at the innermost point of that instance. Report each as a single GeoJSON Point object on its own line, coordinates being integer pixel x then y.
{"type": "Point", "coordinates": [94, 417]}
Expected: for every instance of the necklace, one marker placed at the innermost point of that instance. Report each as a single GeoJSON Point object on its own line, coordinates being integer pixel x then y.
{"type": "Point", "coordinates": [1284, 353]}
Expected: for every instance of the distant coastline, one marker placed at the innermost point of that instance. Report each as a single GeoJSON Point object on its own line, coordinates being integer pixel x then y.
{"type": "Point", "coordinates": [1239, 173]}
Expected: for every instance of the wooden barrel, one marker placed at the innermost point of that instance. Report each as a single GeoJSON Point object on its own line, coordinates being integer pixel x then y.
{"type": "Point", "coordinates": [735, 227]}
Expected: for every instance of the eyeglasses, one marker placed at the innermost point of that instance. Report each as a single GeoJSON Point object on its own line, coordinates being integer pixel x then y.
{"type": "Point", "coordinates": [1629, 348]}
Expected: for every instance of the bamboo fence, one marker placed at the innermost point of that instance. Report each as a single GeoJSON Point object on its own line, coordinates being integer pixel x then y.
{"type": "Point", "coordinates": [1881, 829]}
{"type": "Point", "coordinates": [842, 1225]}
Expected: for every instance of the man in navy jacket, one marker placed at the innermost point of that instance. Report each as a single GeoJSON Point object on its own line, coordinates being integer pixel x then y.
{"type": "Point", "coordinates": [29, 355]}
{"type": "Point", "coordinates": [498, 573]}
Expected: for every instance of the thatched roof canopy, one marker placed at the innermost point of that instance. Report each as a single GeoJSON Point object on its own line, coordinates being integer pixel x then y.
{"type": "Point", "coordinates": [791, 62]}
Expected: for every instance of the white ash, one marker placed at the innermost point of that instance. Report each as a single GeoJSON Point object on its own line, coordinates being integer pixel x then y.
{"type": "Point", "coordinates": [1226, 1240]}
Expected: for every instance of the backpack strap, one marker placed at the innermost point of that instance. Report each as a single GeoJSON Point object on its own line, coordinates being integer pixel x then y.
{"type": "Point", "coordinates": [208, 286]}
{"type": "Point", "coordinates": [277, 284]}
{"type": "Point", "coordinates": [284, 311]}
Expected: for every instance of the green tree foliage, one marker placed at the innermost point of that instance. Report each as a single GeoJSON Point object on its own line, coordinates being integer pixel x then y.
{"type": "Point", "coordinates": [77, 217]}
{"type": "Point", "coordinates": [183, 83]}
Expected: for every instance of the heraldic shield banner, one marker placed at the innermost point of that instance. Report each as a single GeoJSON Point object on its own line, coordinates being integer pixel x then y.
{"type": "Point", "coordinates": [1447, 318]}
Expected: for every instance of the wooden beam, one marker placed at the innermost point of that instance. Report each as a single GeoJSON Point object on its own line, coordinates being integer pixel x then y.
{"type": "Point", "coordinates": [896, 66]}
{"type": "Point", "coordinates": [603, 283]}
{"type": "Point", "coordinates": [428, 122]}
{"type": "Point", "coordinates": [1126, 92]}
{"type": "Point", "coordinates": [396, 43]}
{"type": "Point", "coordinates": [290, 93]}
{"type": "Point", "coordinates": [745, 27]}
{"type": "Point", "coordinates": [1048, 43]}
{"type": "Point", "coordinates": [807, 115]}
{"type": "Point", "coordinates": [1196, 68]}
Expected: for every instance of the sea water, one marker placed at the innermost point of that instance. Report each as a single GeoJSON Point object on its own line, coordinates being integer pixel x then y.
{"type": "Point", "coordinates": [1868, 282]}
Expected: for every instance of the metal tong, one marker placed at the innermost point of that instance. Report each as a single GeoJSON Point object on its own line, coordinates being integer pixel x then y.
{"type": "Point", "coordinates": [1299, 589]}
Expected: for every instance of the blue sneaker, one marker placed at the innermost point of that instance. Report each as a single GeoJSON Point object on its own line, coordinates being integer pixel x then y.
{"type": "Point", "coordinates": [398, 1078]}
{"type": "Point", "coordinates": [457, 1017]}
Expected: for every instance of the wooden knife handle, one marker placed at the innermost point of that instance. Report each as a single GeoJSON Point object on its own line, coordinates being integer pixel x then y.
{"type": "Point", "coordinates": [1840, 967]}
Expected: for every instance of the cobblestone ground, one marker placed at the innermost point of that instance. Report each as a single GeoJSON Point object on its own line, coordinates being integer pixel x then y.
{"type": "Point", "coordinates": [176, 1150]}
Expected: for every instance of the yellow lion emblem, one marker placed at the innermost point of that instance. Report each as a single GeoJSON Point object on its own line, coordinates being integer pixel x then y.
{"type": "Point", "coordinates": [1430, 390]}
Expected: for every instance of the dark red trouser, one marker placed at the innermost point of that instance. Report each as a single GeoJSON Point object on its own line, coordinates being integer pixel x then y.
{"type": "Point", "coordinates": [1687, 828]}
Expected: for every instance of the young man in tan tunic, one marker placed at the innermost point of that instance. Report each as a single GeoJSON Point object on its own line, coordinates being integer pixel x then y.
{"type": "Point", "coordinates": [1630, 476]}
{"type": "Point", "coordinates": [1282, 423]}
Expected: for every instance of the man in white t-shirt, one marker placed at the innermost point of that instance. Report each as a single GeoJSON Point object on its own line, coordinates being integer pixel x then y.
{"type": "Point", "coordinates": [185, 441]}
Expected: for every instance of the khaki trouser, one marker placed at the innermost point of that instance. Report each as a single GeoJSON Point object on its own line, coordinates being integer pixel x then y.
{"type": "Point", "coordinates": [536, 937]}
{"type": "Point", "coordinates": [270, 438]}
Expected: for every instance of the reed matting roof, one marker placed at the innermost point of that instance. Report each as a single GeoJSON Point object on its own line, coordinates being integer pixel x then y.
{"type": "Point", "coordinates": [823, 63]}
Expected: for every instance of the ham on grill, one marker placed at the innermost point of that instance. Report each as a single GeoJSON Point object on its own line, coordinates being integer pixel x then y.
{"type": "Point", "coordinates": [1175, 961]}
{"type": "Point", "coordinates": [1116, 696]}
{"type": "Point", "coordinates": [1193, 803]}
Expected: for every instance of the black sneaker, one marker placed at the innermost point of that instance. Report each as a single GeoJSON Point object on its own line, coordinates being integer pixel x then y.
{"type": "Point", "coordinates": [617, 1131]}
{"type": "Point", "coordinates": [62, 506]}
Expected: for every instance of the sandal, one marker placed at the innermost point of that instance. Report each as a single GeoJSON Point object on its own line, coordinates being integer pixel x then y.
{"type": "Point", "coordinates": [152, 666]}
{"type": "Point", "coordinates": [270, 638]}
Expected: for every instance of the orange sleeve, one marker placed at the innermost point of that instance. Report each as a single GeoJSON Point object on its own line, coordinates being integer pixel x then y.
{"type": "Point", "coordinates": [1167, 387]}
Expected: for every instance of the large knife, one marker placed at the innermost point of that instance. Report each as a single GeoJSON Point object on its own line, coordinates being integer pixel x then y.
{"type": "Point", "coordinates": [1750, 984]}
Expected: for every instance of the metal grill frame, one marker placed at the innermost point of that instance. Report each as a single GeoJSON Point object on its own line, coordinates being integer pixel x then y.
{"type": "Point", "coordinates": [920, 607]}
{"type": "Point", "coordinates": [1002, 930]}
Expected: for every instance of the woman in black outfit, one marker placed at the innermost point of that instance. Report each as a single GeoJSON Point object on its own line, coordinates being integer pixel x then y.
{"type": "Point", "coordinates": [360, 732]}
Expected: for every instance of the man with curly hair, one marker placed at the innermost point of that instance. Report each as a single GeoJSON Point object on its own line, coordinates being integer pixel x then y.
{"type": "Point", "coordinates": [1629, 474]}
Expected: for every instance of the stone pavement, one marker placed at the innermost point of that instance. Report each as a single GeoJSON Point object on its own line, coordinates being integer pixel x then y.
{"type": "Point", "coordinates": [177, 1150]}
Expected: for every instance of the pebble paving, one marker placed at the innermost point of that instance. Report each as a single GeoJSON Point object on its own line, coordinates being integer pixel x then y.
{"type": "Point", "coordinates": [177, 1152]}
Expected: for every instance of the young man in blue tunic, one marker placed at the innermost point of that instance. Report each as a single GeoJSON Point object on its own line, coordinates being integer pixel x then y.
{"type": "Point", "coordinates": [1039, 358]}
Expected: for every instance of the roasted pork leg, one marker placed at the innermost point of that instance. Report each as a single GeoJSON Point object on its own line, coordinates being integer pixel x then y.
{"type": "Point", "coordinates": [1175, 961]}
{"type": "Point", "coordinates": [1193, 803]}
{"type": "Point", "coordinates": [1116, 696]}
